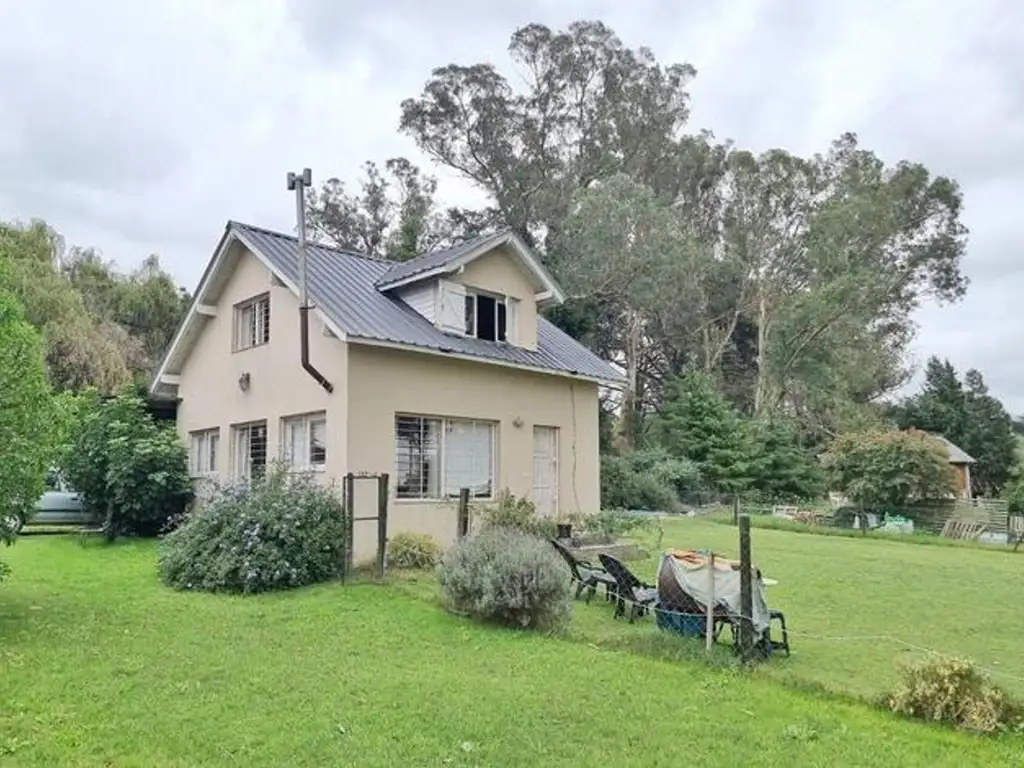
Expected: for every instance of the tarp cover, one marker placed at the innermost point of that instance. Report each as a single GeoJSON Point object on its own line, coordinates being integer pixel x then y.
{"type": "Point", "coordinates": [684, 581]}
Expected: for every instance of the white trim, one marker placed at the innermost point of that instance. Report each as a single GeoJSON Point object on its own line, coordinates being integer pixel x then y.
{"type": "Point", "coordinates": [230, 236]}
{"type": "Point", "coordinates": [552, 293]}
{"type": "Point", "coordinates": [617, 385]}
{"type": "Point", "coordinates": [170, 379]}
{"type": "Point", "coordinates": [209, 310]}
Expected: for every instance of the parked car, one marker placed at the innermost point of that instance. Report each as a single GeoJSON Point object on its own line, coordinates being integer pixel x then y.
{"type": "Point", "coordinates": [60, 504]}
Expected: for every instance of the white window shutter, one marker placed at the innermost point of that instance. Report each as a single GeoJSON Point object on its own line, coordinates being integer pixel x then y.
{"type": "Point", "coordinates": [452, 314]}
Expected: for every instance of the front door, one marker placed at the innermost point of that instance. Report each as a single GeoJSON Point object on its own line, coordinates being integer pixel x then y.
{"type": "Point", "coordinates": [545, 470]}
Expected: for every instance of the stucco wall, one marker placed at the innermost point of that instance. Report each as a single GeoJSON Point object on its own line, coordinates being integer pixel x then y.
{"type": "Point", "coordinates": [499, 272]}
{"type": "Point", "coordinates": [209, 388]}
{"type": "Point", "coordinates": [382, 382]}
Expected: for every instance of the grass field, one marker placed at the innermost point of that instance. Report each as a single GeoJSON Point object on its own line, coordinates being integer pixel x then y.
{"type": "Point", "coordinates": [103, 666]}
{"type": "Point", "coordinates": [959, 600]}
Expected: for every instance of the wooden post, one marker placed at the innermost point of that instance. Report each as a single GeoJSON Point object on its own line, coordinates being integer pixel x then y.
{"type": "Point", "coordinates": [382, 524]}
{"type": "Point", "coordinates": [736, 510]}
{"type": "Point", "coordinates": [746, 637]}
{"type": "Point", "coordinates": [463, 525]}
{"type": "Point", "coordinates": [711, 601]}
{"type": "Point", "coordinates": [350, 505]}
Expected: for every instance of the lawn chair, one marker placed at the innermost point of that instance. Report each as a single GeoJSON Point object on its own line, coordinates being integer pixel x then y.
{"type": "Point", "coordinates": [640, 595]}
{"type": "Point", "coordinates": [1015, 531]}
{"type": "Point", "coordinates": [586, 575]}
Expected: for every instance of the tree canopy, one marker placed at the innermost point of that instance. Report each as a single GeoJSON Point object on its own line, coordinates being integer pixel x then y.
{"type": "Point", "coordinates": [965, 413]}
{"type": "Point", "coordinates": [28, 416]}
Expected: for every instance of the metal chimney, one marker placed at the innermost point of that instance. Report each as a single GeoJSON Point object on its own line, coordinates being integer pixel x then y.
{"type": "Point", "coordinates": [298, 184]}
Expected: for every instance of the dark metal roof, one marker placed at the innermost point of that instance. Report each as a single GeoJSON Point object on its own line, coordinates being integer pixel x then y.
{"type": "Point", "coordinates": [343, 285]}
{"type": "Point", "coordinates": [433, 260]}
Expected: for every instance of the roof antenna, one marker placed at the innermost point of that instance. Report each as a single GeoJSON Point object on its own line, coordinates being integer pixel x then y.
{"type": "Point", "coordinates": [298, 183]}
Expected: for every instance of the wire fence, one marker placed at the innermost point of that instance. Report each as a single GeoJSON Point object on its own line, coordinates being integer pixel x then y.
{"type": "Point", "coordinates": [733, 618]}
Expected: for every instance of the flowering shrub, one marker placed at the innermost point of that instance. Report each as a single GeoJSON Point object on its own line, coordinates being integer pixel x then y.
{"type": "Point", "coordinates": [507, 577]}
{"type": "Point", "coordinates": [413, 550]}
{"type": "Point", "coordinates": [952, 691]}
{"type": "Point", "coordinates": [283, 531]}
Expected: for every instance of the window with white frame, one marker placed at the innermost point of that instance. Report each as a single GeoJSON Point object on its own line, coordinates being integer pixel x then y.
{"type": "Point", "coordinates": [487, 317]}
{"type": "Point", "coordinates": [435, 458]}
{"type": "Point", "coordinates": [482, 315]}
{"type": "Point", "coordinates": [252, 322]}
{"type": "Point", "coordinates": [304, 441]}
{"type": "Point", "coordinates": [249, 446]}
{"type": "Point", "coordinates": [204, 445]}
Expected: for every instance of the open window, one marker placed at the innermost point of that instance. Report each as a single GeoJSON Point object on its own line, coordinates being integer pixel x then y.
{"type": "Point", "coordinates": [489, 317]}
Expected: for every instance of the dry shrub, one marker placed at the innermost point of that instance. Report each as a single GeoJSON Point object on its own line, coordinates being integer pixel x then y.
{"type": "Point", "coordinates": [954, 691]}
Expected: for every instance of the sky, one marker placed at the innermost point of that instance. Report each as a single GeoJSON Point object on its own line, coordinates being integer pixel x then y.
{"type": "Point", "coordinates": [142, 127]}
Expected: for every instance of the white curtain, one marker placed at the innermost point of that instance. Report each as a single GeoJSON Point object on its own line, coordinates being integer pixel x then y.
{"type": "Point", "coordinates": [469, 459]}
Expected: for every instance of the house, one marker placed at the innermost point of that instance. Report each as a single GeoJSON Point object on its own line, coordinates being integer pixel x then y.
{"type": "Point", "coordinates": [439, 371]}
{"type": "Point", "coordinates": [961, 463]}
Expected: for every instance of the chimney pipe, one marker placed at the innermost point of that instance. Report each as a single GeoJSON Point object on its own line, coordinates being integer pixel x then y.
{"type": "Point", "coordinates": [299, 183]}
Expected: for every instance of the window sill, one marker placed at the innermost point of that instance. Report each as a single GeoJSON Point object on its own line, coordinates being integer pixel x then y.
{"type": "Point", "coordinates": [449, 500]}
{"type": "Point", "coordinates": [236, 350]}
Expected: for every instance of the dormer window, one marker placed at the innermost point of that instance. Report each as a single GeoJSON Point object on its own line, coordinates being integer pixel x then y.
{"type": "Point", "coordinates": [487, 317]}
{"type": "Point", "coordinates": [468, 312]}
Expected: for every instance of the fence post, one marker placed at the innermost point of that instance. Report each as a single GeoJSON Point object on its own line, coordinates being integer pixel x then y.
{"type": "Point", "coordinates": [711, 601]}
{"type": "Point", "coordinates": [463, 525]}
{"type": "Point", "coordinates": [382, 524]}
{"type": "Point", "coordinates": [350, 524]}
{"type": "Point", "coordinates": [736, 510]}
{"type": "Point", "coordinates": [746, 638]}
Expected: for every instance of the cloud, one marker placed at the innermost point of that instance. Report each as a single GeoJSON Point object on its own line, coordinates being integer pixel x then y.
{"type": "Point", "coordinates": [143, 127]}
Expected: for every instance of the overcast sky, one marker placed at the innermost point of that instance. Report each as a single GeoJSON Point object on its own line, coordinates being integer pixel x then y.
{"type": "Point", "coordinates": [142, 127]}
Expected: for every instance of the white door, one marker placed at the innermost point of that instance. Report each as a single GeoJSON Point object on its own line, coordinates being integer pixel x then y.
{"type": "Point", "coordinates": [545, 470]}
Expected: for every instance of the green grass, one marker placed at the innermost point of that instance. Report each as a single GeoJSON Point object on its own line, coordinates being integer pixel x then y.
{"type": "Point", "coordinates": [962, 600]}
{"type": "Point", "coordinates": [101, 665]}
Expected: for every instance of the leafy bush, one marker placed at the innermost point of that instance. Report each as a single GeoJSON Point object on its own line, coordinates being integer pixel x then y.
{"type": "Point", "coordinates": [518, 514]}
{"type": "Point", "coordinates": [413, 550]}
{"type": "Point", "coordinates": [28, 416]}
{"type": "Point", "coordinates": [883, 471]}
{"type": "Point", "coordinates": [507, 577]}
{"type": "Point", "coordinates": [131, 472]}
{"type": "Point", "coordinates": [281, 532]}
{"type": "Point", "coordinates": [609, 526]}
{"type": "Point", "coordinates": [626, 483]}
{"type": "Point", "coordinates": [953, 691]}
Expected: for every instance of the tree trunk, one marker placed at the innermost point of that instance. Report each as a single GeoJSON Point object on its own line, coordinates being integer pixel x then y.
{"type": "Point", "coordinates": [761, 390]}
{"type": "Point", "coordinates": [627, 424]}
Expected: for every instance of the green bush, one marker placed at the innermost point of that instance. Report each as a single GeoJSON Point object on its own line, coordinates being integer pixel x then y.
{"type": "Point", "coordinates": [518, 514]}
{"type": "Point", "coordinates": [626, 483]}
{"type": "Point", "coordinates": [131, 472]}
{"type": "Point", "coordinates": [507, 577]}
{"type": "Point", "coordinates": [954, 692]}
{"type": "Point", "coordinates": [281, 532]}
{"type": "Point", "coordinates": [413, 551]}
{"type": "Point", "coordinates": [608, 526]}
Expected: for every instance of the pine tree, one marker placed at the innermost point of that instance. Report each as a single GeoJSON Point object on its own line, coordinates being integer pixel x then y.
{"type": "Point", "coordinates": [989, 437]}
{"type": "Point", "coordinates": [696, 423]}
{"type": "Point", "coordinates": [783, 468]}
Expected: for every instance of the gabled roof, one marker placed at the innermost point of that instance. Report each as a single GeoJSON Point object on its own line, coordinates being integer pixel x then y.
{"type": "Point", "coordinates": [436, 263]}
{"type": "Point", "coordinates": [957, 455]}
{"type": "Point", "coordinates": [345, 289]}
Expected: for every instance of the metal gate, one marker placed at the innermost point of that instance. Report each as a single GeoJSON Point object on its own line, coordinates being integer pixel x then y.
{"type": "Point", "coordinates": [351, 519]}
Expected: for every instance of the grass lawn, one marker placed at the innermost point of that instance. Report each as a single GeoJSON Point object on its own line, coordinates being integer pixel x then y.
{"type": "Point", "coordinates": [103, 666]}
{"type": "Point", "coordinates": [962, 600]}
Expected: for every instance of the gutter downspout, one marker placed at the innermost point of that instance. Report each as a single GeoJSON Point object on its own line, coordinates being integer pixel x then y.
{"type": "Point", "coordinates": [299, 184]}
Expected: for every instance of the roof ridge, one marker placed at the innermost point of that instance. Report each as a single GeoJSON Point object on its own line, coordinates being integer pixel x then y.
{"type": "Point", "coordinates": [315, 243]}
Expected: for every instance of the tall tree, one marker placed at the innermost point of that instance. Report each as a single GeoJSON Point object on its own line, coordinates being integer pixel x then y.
{"type": "Point", "coordinates": [969, 416]}
{"type": "Point", "coordinates": [989, 437]}
{"type": "Point", "coordinates": [393, 215]}
{"type": "Point", "coordinates": [28, 417]}
{"type": "Point", "coordinates": [696, 423]}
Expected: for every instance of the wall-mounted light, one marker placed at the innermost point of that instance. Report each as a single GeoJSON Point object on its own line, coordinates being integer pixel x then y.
{"type": "Point", "coordinates": [243, 382]}
{"type": "Point", "coordinates": [517, 422]}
